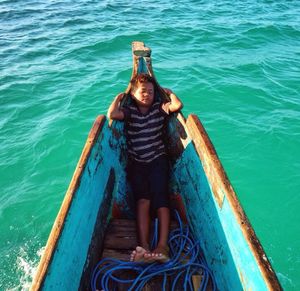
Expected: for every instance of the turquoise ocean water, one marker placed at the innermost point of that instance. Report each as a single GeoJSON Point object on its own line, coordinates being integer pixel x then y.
{"type": "Point", "coordinates": [236, 64]}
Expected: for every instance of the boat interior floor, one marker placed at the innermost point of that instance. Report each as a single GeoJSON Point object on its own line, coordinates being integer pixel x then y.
{"type": "Point", "coordinates": [120, 240]}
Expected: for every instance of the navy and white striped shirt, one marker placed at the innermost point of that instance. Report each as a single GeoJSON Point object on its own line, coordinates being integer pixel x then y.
{"type": "Point", "coordinates": [145, 132]}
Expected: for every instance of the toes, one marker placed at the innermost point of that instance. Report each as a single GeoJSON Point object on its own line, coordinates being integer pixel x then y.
{"type": "Point", "coordinates": [139, 249]}
{"type": "Point", "coordinates": [159, 256]}
{"type": "Point", "coordinates": [132, 256]}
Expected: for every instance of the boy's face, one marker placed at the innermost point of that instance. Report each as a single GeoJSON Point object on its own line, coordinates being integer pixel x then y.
{"type": "Point", "coordinates": [144, 94]}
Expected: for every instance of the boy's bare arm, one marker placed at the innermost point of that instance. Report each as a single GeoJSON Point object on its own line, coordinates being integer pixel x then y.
{"type": "Point", "coordinates": [114, 111]}
{"type": "Point", "coordinates": [175, 103]}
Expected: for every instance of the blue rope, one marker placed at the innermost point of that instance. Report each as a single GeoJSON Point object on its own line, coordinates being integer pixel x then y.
{"type": "Point", "coordinates": [186, 259]}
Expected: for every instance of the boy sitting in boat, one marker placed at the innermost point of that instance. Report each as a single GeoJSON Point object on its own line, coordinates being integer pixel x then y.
{"type": "Point", "coordinates": [148, 166]}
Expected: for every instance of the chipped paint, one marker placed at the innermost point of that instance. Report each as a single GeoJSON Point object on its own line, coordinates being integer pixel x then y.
{"type": "Point", "coordinates": [231, 248]}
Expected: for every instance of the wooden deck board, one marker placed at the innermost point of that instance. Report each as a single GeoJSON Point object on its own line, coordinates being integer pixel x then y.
{"type": "Point", "coordinates": [120, 240]}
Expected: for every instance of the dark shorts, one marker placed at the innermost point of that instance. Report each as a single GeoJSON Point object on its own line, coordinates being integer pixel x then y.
{"type": "Point", "coordinates": [150, 181]}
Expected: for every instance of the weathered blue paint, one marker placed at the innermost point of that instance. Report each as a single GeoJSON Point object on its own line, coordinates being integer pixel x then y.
{"type": "Point", "coordinates": [213, 222]}
{"type": "Point", "coordinates": [224, 245]}
{"type": "Point", "coordinates": [70, 255]}
{"type": "Point", "coordinates": [123, 197]}
{"type": "Point", "coordinates": [225, 248]}
{"type": "Point", "coordinates": [142, 68]}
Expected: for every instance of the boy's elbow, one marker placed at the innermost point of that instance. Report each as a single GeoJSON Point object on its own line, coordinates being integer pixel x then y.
{"type": "Point", "coordinates": [115, 115]}
{"type": "Point", "coordinates": [176, 107]}
{"type": "Point", "coordinates": [180, 106]}
{"type": "Point", "coordinates": [109, 115]}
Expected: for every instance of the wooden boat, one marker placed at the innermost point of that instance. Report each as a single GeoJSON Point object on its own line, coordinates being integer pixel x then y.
{"type": "Point", "coordinates": [98, 193]}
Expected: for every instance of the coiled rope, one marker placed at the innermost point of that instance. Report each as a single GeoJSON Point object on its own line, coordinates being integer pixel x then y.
{"type": "Point", "coordinates": [186, 260]}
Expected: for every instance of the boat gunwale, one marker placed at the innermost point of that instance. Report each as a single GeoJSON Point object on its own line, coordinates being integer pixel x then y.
{"type": "Point", "coordinates": [59, 222]}
{"type": "Point", "coordinates": [207, 153]}
{"type": "Point", "coordinates": [196, 131]}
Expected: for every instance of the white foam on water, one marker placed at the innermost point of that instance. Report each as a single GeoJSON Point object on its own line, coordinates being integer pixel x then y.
{"type": "Point", "coordinates": [26, 269]}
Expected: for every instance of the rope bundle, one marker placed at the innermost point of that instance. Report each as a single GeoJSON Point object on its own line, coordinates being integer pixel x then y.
{"type": "Point", "coordinates": [186, 260]}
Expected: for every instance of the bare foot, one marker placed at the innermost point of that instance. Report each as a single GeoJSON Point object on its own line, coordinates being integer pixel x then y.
{"type": "Point", "coordinates": [160, 254]}
{"type": "Point", "coordinates": [138, 255]}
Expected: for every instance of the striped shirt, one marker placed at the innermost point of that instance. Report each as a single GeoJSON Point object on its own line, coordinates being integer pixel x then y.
{"type": "Point", "coordinates": [145, 132]}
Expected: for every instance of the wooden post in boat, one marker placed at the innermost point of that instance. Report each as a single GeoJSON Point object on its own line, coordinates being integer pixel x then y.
{"type": "Point", "coordinates": [139, 50]}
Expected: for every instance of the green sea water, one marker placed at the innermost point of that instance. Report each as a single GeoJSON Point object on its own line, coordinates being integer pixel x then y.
{"type": "Point", "coordinates": [236, 64]}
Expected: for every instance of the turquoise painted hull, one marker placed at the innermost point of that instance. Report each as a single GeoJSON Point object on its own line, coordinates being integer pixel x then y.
{"type": "Point", "coordinates": [99, 191]}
